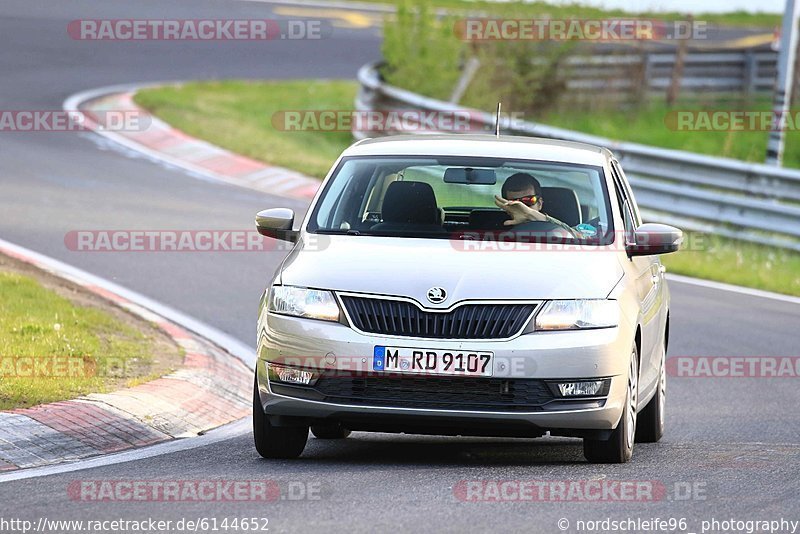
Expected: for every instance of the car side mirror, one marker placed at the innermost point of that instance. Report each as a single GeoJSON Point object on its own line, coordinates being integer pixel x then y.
{"type": "Point", "coordinates": [277, 223]}
{"type": "Point", "coordinates": [652, 238]}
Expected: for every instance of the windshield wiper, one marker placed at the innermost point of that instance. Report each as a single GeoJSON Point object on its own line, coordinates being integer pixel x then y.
{"type": "Point", "coordinates": [338, 232]}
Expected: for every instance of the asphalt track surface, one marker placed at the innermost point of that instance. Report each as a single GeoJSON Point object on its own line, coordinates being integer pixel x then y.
{"type": "Point", "coordinates": [737, 441]}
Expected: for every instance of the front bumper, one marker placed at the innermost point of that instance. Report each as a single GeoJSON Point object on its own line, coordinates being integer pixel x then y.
{"type": "Point", "coordinates": [600, 353]}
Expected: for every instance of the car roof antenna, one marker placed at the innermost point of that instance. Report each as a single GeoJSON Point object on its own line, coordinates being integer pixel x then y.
{"type": "Point", "coordinates": [497, 121]}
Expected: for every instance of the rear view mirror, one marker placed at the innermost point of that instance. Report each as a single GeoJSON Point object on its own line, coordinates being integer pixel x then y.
{"type": "Point", "coordinates": [651, 239]}
{"type": "Point", "coordinates": [470, 176]}
{"type": "Point", "coordinates": [277, 223]}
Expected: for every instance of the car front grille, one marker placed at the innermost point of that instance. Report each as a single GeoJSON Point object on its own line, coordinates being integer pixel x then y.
{"type": "Point", "coordinates": [442, 393]}
{"type": "Point", "coordinates": [468, 321]}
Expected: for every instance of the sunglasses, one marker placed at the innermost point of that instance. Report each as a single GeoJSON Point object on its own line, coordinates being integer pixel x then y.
{"type": "Point", "coordinates": [529, 200]}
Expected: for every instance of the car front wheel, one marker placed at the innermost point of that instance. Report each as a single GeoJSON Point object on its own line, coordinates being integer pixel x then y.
{"type": "Point", "coordinates": [650, 426]}
{"type": "Point", "coordinates": [618, 448]}
{"type": "Point", "coordinates": [276, 441]}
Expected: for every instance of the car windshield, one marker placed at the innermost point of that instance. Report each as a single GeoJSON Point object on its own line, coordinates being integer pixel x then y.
{"type": "Point", "coordinates": [465, 197]}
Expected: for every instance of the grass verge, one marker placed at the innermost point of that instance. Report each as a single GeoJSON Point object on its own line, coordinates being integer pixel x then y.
{"type": "Point", "coordinates": [221, 112]}
{"type": "Point", "coordinates": [654, 124]}
{"type": "Point", "coordinates": [237, 115]}
{"type": "Point", "coordinates": [736, 262]}
{"type": "Point", "coordinates": [59, 342]}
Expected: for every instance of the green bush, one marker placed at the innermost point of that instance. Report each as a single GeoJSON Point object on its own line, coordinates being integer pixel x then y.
{"type": "Point", "coordinates": [527, 77]}
{"type": "Point", "coordinates": [422, 52]}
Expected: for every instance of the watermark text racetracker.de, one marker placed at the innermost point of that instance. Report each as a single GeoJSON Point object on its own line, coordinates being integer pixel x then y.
{"type": "Point", "coordinates": [733, 366]}
{"type": "Point", "coordinates": [575, 490]}
{"type": "Point", "coordinates": [43, 120]}
{"type": "Point", "coordinates": [511, 240]}
{"type": "Point", "coordinates": [736, 120]}
{"type": "Point", "coordinates": [65, 366]}
{"type": "Point", "coordinates": [181, 241]}
{"type": "Point", "coordinates": [194, 490]}
{"type": "Point", "coordinates": [198, 29]}
{"type": "Point", "coordinates": [597, 30]}
{"type": "Point", "coordinates": [389, 121]}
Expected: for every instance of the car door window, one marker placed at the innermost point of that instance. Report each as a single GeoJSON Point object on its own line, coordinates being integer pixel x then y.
{"type": "Point", "coordinates": [628, 193]}
{"type": "Point", "coordinates": [629, 219]}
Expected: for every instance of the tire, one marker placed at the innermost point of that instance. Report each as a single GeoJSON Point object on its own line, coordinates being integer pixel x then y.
{"type": "Point", "coordinates": [276, 441]}
{"type": "Point", "coordinates": [618, 449]}
{"type": "Point", "coordinates": [650, 427]}
{"type": "Point", "coordinates": [329, 431]}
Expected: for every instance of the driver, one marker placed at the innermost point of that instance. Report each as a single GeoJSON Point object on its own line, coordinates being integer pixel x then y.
{"type": "Point", "coordinates": [522, 200]}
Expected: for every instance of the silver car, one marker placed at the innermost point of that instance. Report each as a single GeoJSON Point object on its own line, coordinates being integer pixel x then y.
{"type": "Point", "coordinates": [466, 285]}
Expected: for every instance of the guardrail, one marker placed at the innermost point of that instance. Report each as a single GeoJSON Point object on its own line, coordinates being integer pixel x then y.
{"type": "Point", "coordinates": [735, 71]}
{"type": "Point", "coordinates": [732, 198]}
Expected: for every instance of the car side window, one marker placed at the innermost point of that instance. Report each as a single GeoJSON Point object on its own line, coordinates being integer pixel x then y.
{"type": "Point", "coordinates": [628, 193]}
{"type": "Point", "coordinates": [625, 207]}
{"type": "Point", "coordinates": [630, 223]}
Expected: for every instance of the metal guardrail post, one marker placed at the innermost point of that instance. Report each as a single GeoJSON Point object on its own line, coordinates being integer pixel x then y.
{"type": "Point", "coordinates": [750, 73]}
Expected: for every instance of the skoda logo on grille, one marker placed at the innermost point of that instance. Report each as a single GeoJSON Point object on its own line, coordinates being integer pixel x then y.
{"type": "Point", "coordinates": [437, 295]}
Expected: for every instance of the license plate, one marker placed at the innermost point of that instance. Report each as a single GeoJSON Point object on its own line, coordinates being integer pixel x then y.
{"type": "Point", "coordinates": [434, 362]}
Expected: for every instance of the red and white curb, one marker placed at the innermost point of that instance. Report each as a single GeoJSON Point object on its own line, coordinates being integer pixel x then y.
{"type": "Point", "coordinates": [212, 388]}
{"type": "Point", "coordinates": [161, 141]}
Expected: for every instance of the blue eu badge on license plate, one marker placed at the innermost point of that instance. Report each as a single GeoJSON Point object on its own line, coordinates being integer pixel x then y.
{"type": "Point", "coordinates": [379, 359]}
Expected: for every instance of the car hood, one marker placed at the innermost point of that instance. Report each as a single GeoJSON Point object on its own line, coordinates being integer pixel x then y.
{"type": "Point", "coordinates": [410, 267]}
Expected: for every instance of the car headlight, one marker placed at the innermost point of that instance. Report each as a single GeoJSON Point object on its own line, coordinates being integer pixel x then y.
{"type": "Point", "coordinates": [303, 302]}
{"type": "Point", "coordinates": [578, 314]}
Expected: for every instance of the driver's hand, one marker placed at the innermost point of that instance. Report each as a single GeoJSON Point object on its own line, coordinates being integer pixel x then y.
{"type": "Point", "coordinates": [518, 211]}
